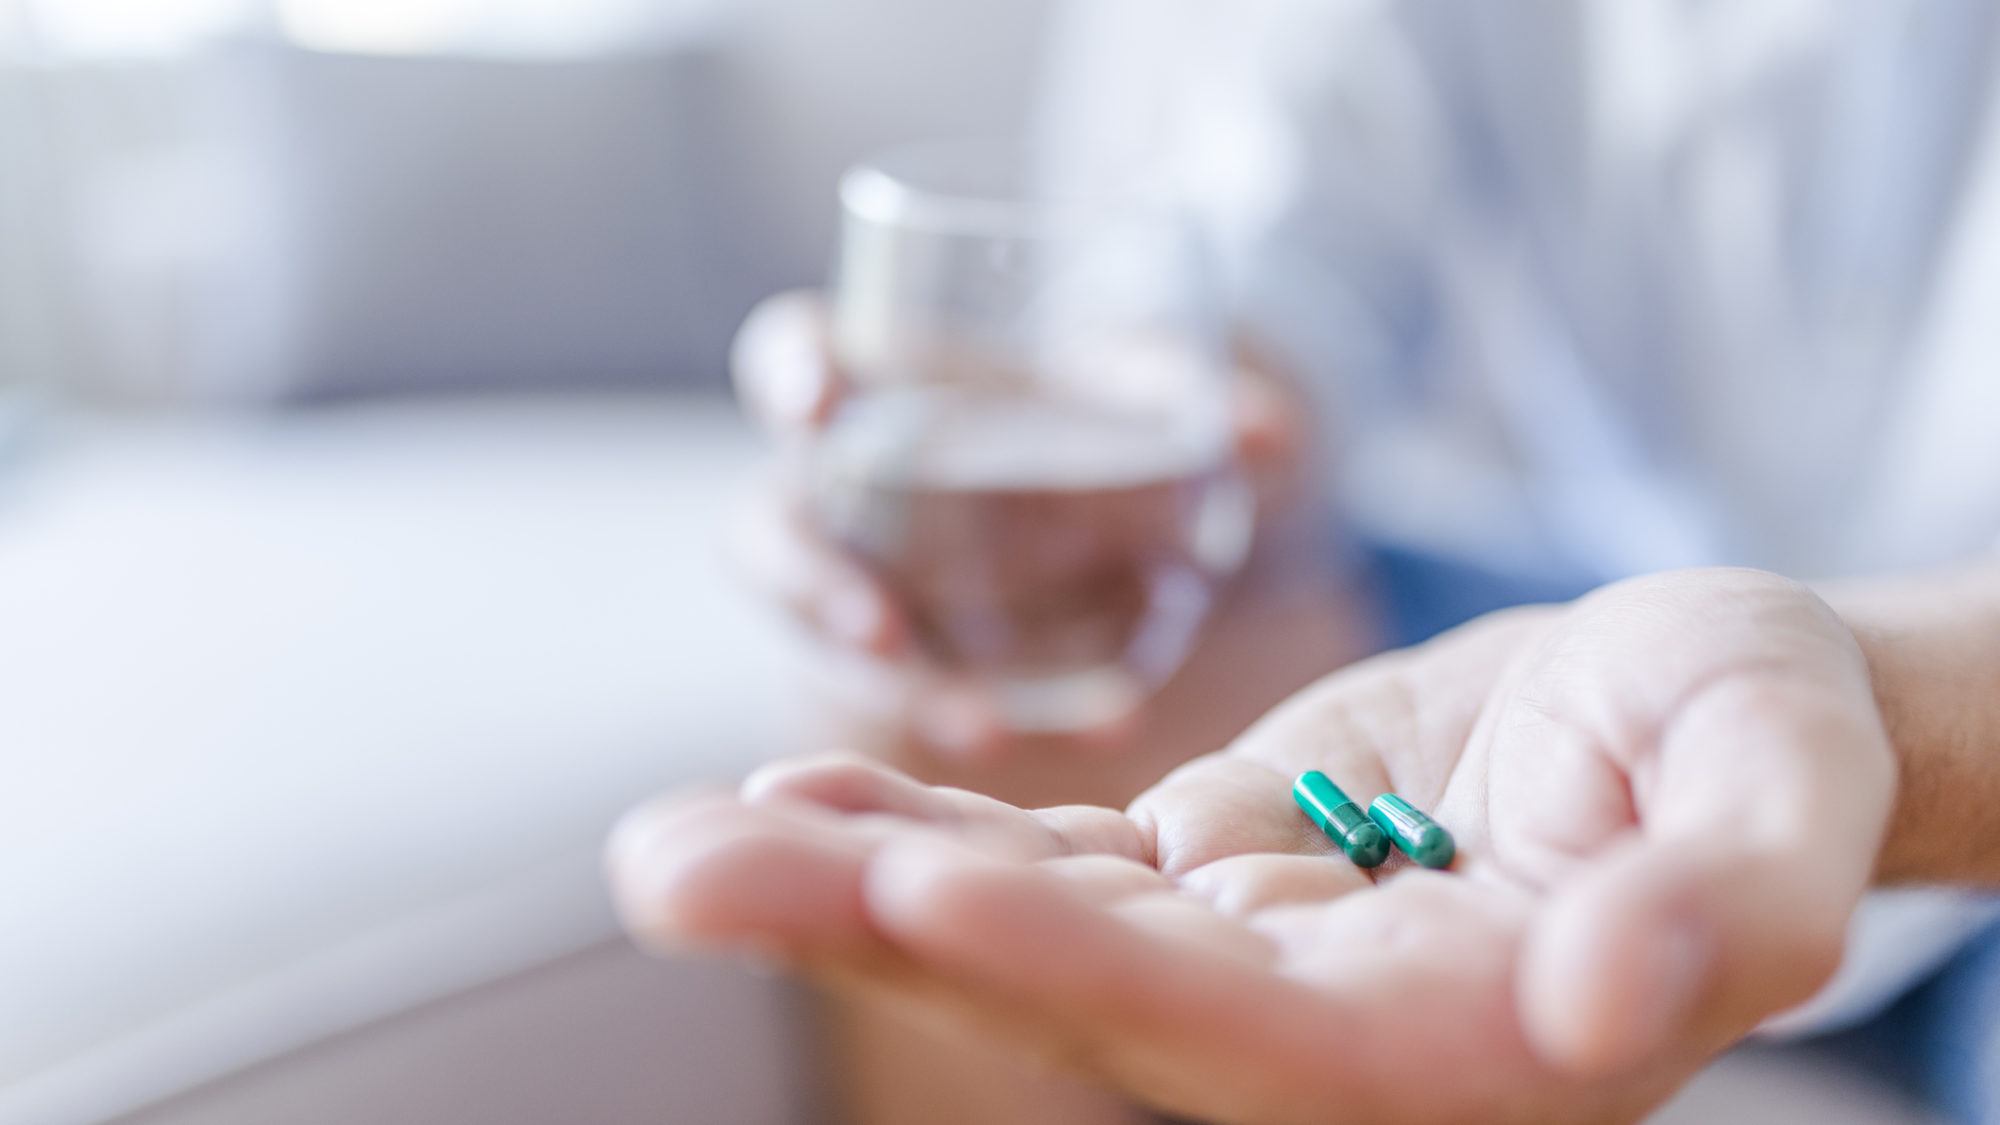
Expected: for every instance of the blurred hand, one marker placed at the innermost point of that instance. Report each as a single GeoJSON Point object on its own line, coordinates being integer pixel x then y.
{"type": "Point", "coordinates": [887, 700]}
{"type": "Point", "coordinates": [1668, 798]}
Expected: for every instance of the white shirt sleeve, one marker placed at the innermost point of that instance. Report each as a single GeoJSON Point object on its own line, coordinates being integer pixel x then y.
{"type": "Point", "coordinates": [1896, 939]}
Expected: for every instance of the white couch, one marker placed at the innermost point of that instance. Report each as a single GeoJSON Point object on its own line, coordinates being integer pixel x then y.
{"type": "Point", "coordinates": [307, 723]}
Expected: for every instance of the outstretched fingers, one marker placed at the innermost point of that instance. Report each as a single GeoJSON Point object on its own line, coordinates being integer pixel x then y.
{"type": "Point", "coordinates": [709, 872]}
{"type": "Point", "coordinates": [778, 870]}
{"type": "Point", "coordinates": [858, 787]}
{"type": "Point", "coordinates": [1148, 990]}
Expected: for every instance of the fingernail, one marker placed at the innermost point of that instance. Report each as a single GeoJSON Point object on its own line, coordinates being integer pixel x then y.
{"type": "Point", "coordinates": [631, 837]}
{"type": "Point", "coordinates": [1114, 735]}
{"type": "Point", "coordinates": [795, 386]}
{"type": "Point", "coordinates": [853, 616]}
{"type": "Point", "coordinates": [639, 895]}
{"type": "Point", "coordinates": [953, 722]}
{"type": "Point", "coordinates": [645, 862]}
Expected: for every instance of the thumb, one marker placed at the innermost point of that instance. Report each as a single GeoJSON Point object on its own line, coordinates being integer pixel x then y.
{"type": "Point", "coordinates": [782, 364]}
{"type": "Point", "coordinates": [1756, 841]}
{"type": "Point", "coordinates": [1270, 422]}
{"type": "Point", "coordinates": [1655, 950]}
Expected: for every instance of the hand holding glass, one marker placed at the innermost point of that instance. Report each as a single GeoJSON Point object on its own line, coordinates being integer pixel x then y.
{"type": "Point", "coordinates": [1035, 457]}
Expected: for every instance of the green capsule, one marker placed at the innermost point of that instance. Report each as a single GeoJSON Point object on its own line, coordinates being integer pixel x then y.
{"type": "Point", "coordinates": [1340, 818]}
{"type": "Point", "coordinates": [1422, 838]}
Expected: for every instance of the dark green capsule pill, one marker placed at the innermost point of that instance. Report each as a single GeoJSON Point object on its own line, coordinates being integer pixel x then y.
{"type": "Point", "coordinates": [1341, 819]}
{"type": "Point", "coordinates": [1420, 837]}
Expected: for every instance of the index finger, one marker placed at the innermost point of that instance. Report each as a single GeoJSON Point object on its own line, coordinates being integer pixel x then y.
{"type": "Point", "coordinates": [782, 364]}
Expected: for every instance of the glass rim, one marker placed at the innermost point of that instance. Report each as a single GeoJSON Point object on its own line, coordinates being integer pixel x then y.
{"type": "Point", "coordinates": [888, 189]}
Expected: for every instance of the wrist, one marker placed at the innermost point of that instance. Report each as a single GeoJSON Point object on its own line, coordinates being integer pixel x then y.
{"type": "Point", "coordinates": [1933, 650]}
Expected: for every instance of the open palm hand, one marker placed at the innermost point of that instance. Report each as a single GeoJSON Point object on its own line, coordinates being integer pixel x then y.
{"type": "Point", "coordinates": [1667, 798]}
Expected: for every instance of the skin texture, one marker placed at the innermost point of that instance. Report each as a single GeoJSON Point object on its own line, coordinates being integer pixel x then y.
{"type": "Point", "coordinates": [1933, 646]}
{"type": "Point", "coordinates": [1667, 797]}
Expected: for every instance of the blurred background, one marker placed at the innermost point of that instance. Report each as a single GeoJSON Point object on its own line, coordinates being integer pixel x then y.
{"type": "Point", "coordinates": [241, 202]}
{"type": "Point", "coordinates": [363, 442]}
{"type": "Point", "coordinates": [364, 448]}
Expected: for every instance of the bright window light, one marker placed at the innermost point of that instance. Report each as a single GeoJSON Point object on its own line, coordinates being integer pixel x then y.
{"type": "Point", "coordinates": [387, 27]}
{"type": "Point", "coordinates": [96, 29]}
{"type": "Point", "coordinates": [505, 28]}
{"type": "Point", "coordinates": [123, 28]}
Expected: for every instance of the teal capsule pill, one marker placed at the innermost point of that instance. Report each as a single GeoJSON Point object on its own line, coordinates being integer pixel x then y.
{"type": "Point", "coordinates": [1341, 819]}
{"type": "Point", "coordinates": [1420, 837]}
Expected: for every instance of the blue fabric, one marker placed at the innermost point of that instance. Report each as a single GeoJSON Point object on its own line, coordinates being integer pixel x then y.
{"type": "Point", "coordinates": [1941, 1041]}
{"type": "Point", "coordinates": [1423, 595]}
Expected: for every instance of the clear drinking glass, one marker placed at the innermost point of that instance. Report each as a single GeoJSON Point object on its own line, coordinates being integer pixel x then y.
{"type": "Point", "coordinates": [1035, 454]}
